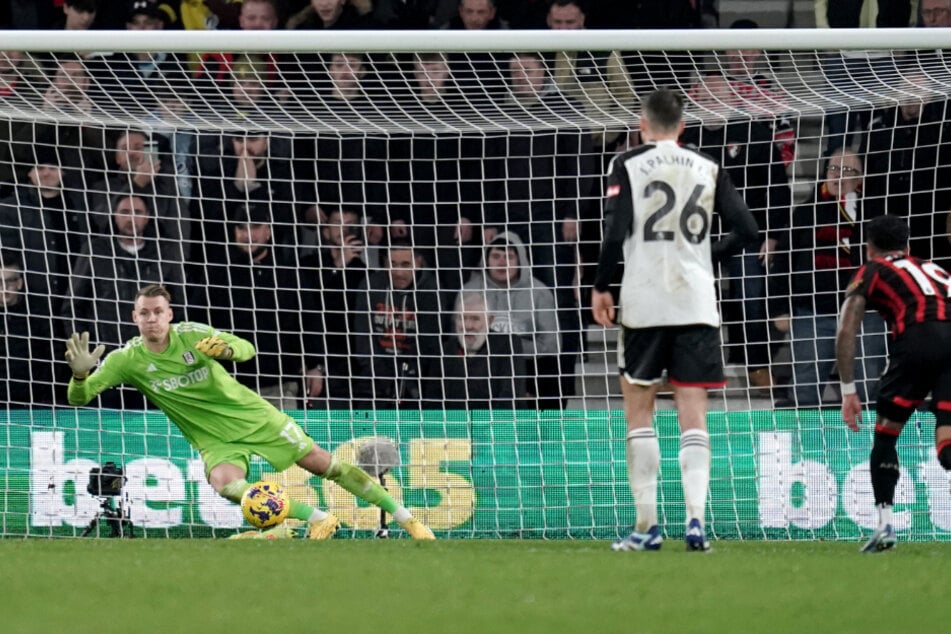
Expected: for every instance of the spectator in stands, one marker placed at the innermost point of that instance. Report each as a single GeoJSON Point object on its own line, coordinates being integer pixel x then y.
{"type": "Point", "coordinates": [148, 15]}
{"type": "Point", "coordinates": [478, 74]}
{"type": "Point", "coordinates": [255, 15]}
{"type": "Point", "coordinates": [78, 15]}
{"type": "Point", "coordinates": [397, 331]}
{"type": "Point", "coordinates": [524, 306]}
{"type": "Point", "coordinates": [79, 145]}
{"type": "Point", "coordinates": [745, 150]}
{"type": "Point", "coordinates": [600, 82]}
{"type": "Point", "coordinates": [935, 13]}
{"type": "Point", "coordinates": [538, 188]}
{"type": "Point", "coordinates": [9, 71]}
{"type": "Point", "coordinates": [849, 71]}
{"type": "Point", "coordinates": [246, 94]}
{"type": "Point", "coordinates": [26, 354]}
{"type": "Point", "coordinates": [904, 150]}
{"type": "Point", "coordinates": [757, 93]}
{"type": "Point", "coordinates": [332, 277]}
{"type": "Point", "coordinates": [45, 223]}
{"type": "Point", "coordinates": [333, 169]}
{"type": "Point", "coordinates": [169, 130]}
{"type": "Point", "coordinates": [933, 63]}
{"type": "Point", "coordinates": [432, 174]}
{"type": "Point", "coordinates": [333, 14]}
{"type": "Point", "coordinates": [261, 303]}
{"type": "Point", "coordinates": [68, 91]}
{"type": "Point", "coordinates": [826, 243]}
{"type": "Point", "coordinates": [477, 15]}
{"type": "Point", "coordinates": [241, 166]}
{"type": "Point", "coordinates": [480, 368]}
{"type": "Point", "coordinates": [597, 79]}
{"type": "Point", "coordinates": [134, 82]}
{"type": "Point", "coordinates": [142, 166]}
{"type": "Point", "coordinates": [262, 171]}
{"type": "Point", "coordinates": [665, 69]}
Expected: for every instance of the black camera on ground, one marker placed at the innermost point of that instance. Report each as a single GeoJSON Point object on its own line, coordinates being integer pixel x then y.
{"type": "Point", "coordinates": [106, 481]}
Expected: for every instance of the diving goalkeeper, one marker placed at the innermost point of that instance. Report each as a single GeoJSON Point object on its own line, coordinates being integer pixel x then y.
{"type": "Point", "coordinates": [176, 367]}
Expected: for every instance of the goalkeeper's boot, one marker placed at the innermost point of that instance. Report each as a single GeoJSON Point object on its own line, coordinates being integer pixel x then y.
{"type": "Point", "coordinates": [323, 529]}
{"type": "Point", "coordinates": [651, 540]}
{"type": "Point", "coordinates": [695, 538]}
{"type": "Point", "coordinates": [278, 532]}
{"type": "Point", "coordinates": [883, 538]}
{"type": "Point", "coordinates": [417, 530]}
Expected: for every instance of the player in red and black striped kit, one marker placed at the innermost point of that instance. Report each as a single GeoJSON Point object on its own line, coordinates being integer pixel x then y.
{"type": "Point", "coordinates": [914, 297]}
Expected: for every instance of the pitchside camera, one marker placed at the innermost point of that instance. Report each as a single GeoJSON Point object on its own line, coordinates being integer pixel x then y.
{"type": "Point", "coordinates": [106, 481]}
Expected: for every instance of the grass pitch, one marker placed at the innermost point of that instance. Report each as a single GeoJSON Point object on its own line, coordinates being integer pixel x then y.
{"type": "Point", "coordinates": [395, 586]}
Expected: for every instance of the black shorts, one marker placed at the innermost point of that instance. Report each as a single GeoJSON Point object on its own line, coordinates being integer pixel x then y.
{"type": "Point", "coordinates": [919, 363]}
{"type": "Point", "coordinates": [690, 354]}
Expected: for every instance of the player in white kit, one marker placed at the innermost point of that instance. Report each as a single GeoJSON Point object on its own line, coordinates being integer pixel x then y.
{"type": "Point", "coordinates": [661, 204]}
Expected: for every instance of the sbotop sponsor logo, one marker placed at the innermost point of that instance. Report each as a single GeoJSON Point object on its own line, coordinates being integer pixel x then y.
{"type": "Point", "coordinates": [182, 380]}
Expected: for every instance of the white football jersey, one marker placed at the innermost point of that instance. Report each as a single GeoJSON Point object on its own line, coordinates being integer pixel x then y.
{"type": "Point", "coordinates": [661, 201]}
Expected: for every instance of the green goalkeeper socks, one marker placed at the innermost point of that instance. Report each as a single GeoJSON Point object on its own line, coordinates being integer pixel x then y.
{"type": "Point", "coordinates": [357, 481]}
{"type": "Point", "coordinates": [305, 512]}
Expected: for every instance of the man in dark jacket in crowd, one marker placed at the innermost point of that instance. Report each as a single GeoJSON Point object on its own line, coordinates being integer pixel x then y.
{"type": "Point", "coordinates": [397, 330]}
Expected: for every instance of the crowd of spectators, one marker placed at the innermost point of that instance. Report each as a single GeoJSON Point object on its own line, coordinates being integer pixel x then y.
{"type": "Point", "coordinates": [380, 267]}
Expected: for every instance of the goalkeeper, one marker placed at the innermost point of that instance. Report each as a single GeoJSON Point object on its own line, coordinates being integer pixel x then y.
{"type": "Point", "coordinates": [176, 367]}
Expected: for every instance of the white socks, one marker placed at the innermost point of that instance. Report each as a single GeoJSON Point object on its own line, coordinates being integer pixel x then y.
{"type": "Point", "coordinates": [318, 516]}
{"type": "Point", "coordinates": [695, 471]}
{"type": "Point", "coordinates": [643, 465]}
{"type": "Point", "coordinates": [884, 515]}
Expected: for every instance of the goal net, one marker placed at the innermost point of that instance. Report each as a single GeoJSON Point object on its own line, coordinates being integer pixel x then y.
{"type": "Point", "coordinates": [405, 225]}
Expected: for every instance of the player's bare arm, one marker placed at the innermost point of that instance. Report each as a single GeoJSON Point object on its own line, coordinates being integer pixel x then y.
{"type": "Point", "coordinates": [850, 320]}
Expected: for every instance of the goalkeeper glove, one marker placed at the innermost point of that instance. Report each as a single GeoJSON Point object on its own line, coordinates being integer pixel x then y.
{"type": "Point", "coordinates": [214, 347]}
{"type": "Point", "coordinates": [81, 360]}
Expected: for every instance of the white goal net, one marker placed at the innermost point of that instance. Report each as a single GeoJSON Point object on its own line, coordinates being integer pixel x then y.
{"type": "Point", "coordinates": [406, 227]}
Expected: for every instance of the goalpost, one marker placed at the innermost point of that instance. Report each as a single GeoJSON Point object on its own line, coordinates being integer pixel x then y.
{"type": "Point", "coordinates": [302, 140]}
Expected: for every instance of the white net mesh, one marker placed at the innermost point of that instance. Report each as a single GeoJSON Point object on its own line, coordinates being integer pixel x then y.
{"type": "Point", "coordinates": [286, 197]}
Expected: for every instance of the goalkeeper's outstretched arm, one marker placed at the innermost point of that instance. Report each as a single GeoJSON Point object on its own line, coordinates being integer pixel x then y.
{"type": "Point", "coordinates": [225, 346]}
{"type": "Point", "coordinates": [83, 386]}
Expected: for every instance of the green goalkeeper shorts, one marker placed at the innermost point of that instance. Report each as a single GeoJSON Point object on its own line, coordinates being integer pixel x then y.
{"type": "Point", "coordinates": [281, 442]}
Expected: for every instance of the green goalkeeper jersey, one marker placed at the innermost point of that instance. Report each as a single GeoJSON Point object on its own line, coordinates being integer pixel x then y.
{"type": "Point", "coordinates": [196, 393]}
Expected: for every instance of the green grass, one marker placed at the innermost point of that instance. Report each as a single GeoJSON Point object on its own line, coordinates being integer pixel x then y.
{"type": "Point", "coordinates": [387, 587]}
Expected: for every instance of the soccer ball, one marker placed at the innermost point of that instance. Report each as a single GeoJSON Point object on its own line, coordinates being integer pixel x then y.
{"type": "Point", "coordinates": [265, 504]}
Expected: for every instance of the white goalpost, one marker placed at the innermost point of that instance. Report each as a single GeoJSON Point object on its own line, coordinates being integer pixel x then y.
{"type": "Point", "coordinates": [274, 181]}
